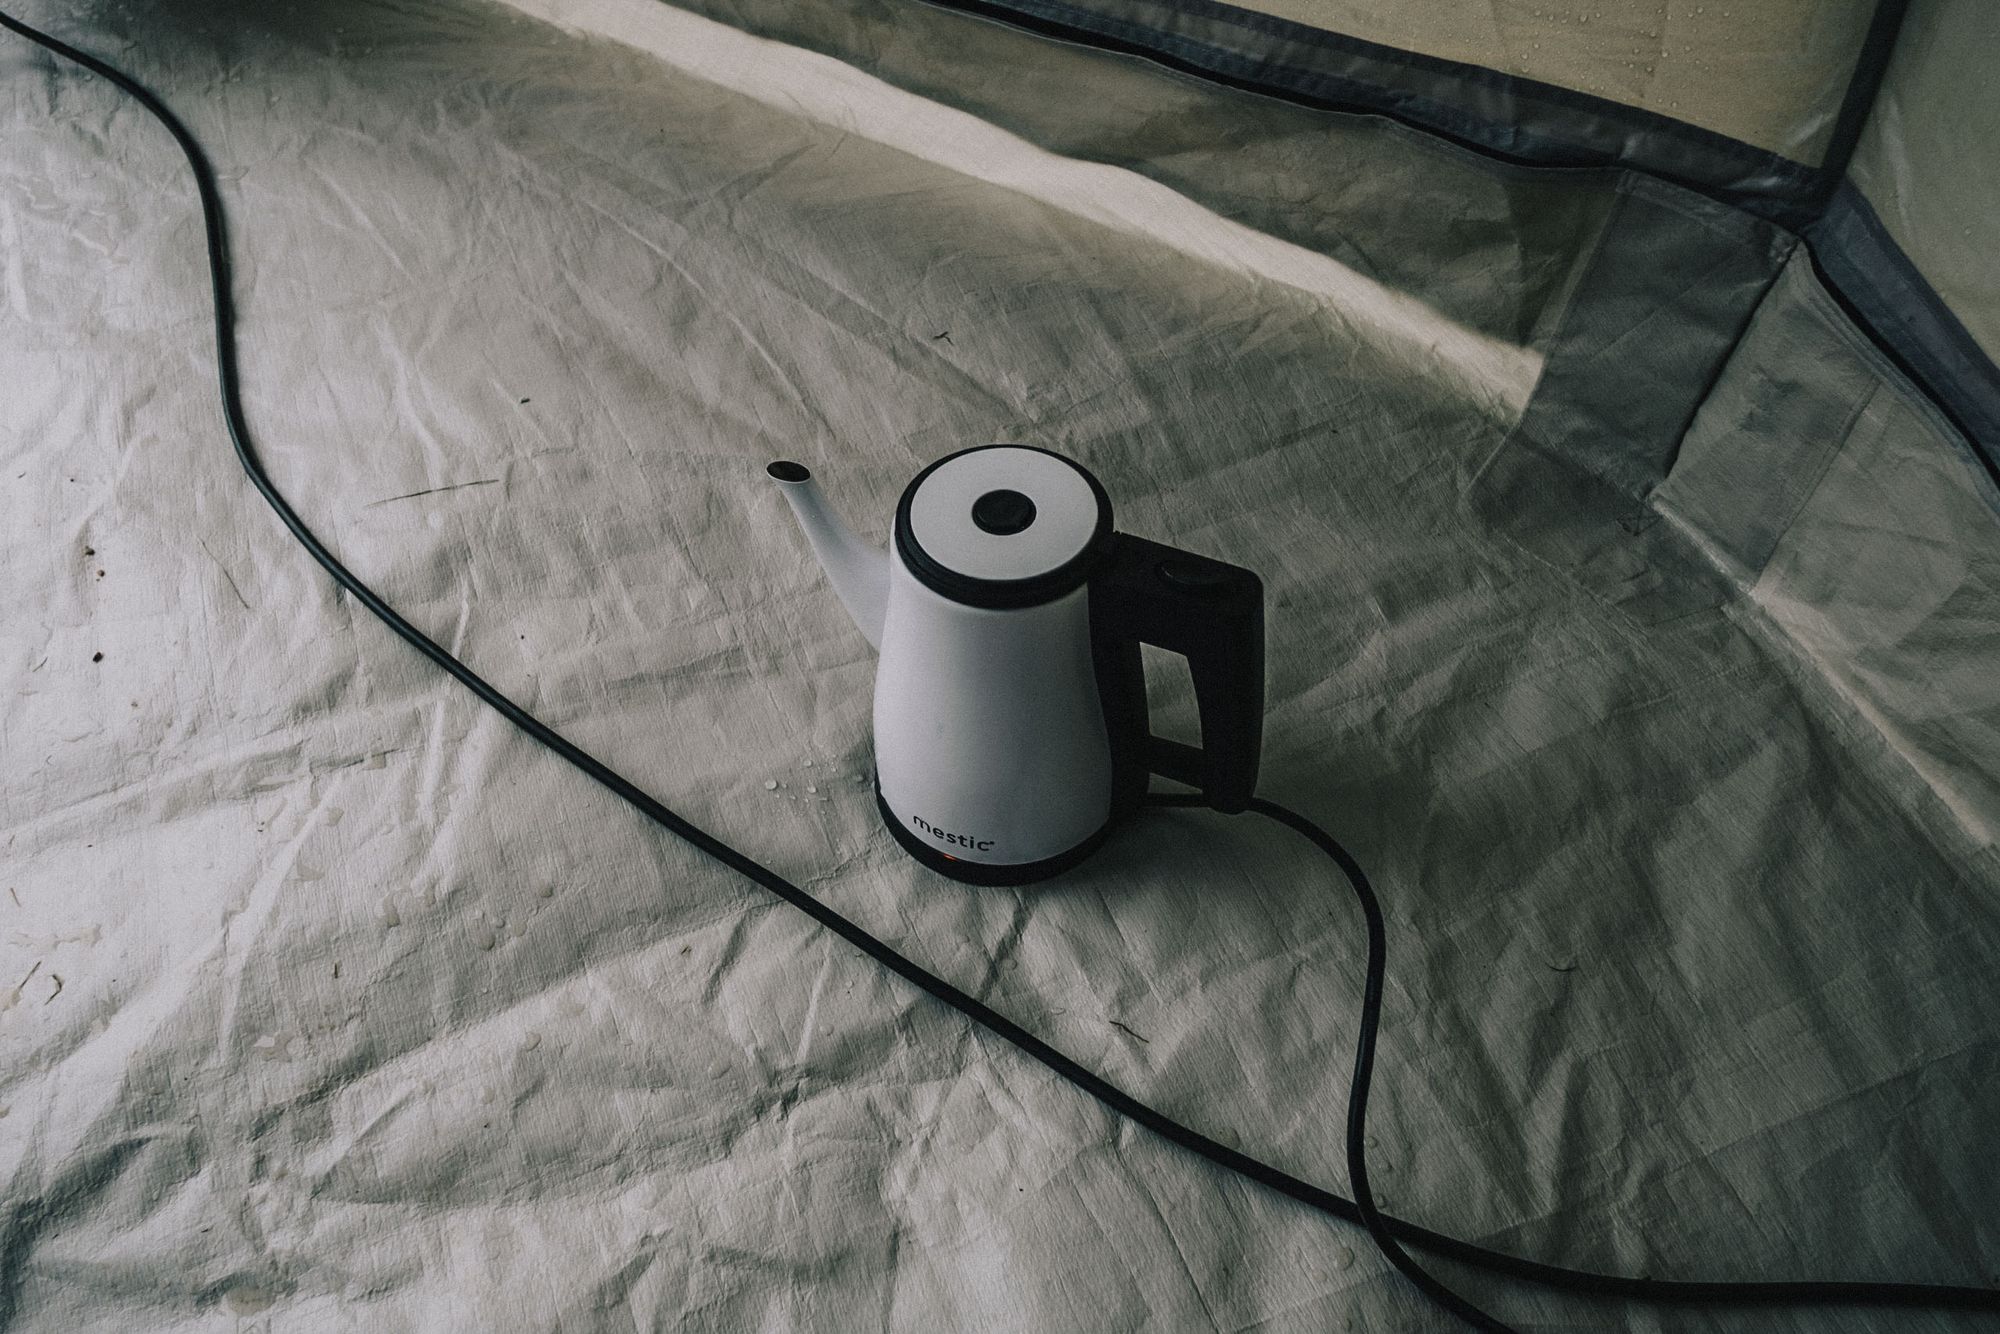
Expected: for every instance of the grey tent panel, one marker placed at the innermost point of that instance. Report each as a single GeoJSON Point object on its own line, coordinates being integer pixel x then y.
{"type": "Point", "coordinates": [1519, 117]}
{"type": "Point", "coordinates": [1892, 299]}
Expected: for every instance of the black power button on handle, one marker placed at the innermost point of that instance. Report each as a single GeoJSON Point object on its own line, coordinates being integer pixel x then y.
{"type": "Point", "coordinates": [1198, 578]}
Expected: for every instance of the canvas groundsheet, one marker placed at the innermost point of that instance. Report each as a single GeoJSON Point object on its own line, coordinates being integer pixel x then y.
{"type": "Point", "coordinates": [1631, 620]}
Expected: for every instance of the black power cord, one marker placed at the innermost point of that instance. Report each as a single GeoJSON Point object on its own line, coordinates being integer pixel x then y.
{"type": "Point", "coordinates": [1380, 1227]}
{"type": "Point", "coordinates": [1387, 1232]}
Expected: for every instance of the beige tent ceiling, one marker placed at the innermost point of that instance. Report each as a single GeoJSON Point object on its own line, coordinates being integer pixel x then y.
{"type": "Point", "coordinates": [1768, 72]}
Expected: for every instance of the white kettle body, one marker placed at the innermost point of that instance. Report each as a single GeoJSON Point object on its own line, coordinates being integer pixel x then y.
{"type": "Point", "coordinates": [990, 741]}
{"type": "Point", "coordinates": [1010, 730]}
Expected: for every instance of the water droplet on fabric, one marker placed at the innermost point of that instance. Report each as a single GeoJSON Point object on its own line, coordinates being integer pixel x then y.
{"type": "Point", "coordinates": [390, 917]}
{"type": "Point", "coordinates": [531, 1041]}
{"type": "Point", "coordinates": [1343, 1258]}
{"type": "Point", "coordinates": [811, 788]}
{"type": "Point", "coordinates": [809, 764]}
{"type": "Point", "coordinates": [770, 785]}
{"type": "Point", "coordinates": [486, 1095]}
{"type": "Point", "coordinates": [266, 1043]}
{"type": "Point", "coordinates": [548, 891]}
{"type": "Point", "coordinates": [482, 936]}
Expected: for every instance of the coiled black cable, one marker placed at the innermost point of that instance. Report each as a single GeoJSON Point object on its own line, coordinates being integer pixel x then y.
{"type": "Point", "coordinates": [1386, 1231]}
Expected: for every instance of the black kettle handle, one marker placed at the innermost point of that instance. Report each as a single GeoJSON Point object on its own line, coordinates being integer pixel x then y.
{"type": "Point", "coordinates": [1211, 612]}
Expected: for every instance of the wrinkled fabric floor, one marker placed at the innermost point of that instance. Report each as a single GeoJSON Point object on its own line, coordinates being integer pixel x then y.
{"type": "Point", "coordinates": [1628, 620]}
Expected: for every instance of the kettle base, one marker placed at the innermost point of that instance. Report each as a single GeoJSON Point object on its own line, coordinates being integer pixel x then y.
{"type": "Point", "coordinates": [988, 873]}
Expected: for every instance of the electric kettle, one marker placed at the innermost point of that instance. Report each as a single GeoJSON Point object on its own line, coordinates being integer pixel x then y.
{"type": "Point", "coordinates": [1011, 729]}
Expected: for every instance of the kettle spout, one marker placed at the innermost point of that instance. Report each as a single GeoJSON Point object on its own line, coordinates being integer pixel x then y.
{"type": "Point", "coordinates": [859, 572]}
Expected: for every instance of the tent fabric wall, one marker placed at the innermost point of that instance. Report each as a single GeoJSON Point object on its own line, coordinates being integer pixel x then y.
{"type": "Point", "coordinates": [1631, 615]}
{"type": "Point", "coordinates": [1490, 105]}
{"type": "Point", "coordinates": [1926, 164]}
{"type": "Point", "coordinates": [1521, 118]}
{"type": "Point", "coordinates": [1771, 74]}
{"type": "Point", "coordinates": [1889, 298]}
